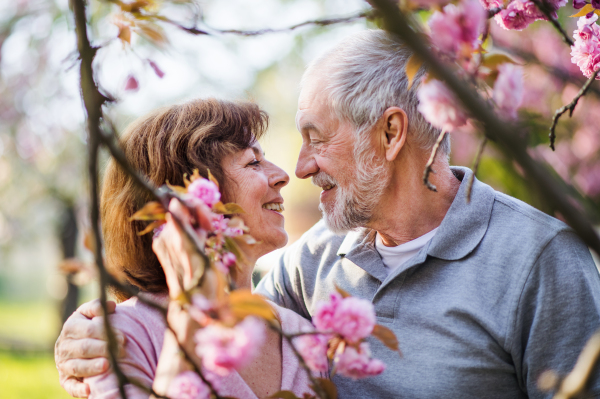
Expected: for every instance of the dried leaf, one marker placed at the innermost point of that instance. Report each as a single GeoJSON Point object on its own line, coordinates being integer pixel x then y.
{"type": "Point", "coordinates": [134, 6]}
{"type": "Point", "coordinates": [246, 239]}
{"type": "Point", "coordinates": [234, 248]}
{"type": "Point", "coordinates": [177, 189]}
{"type": "Point", "coordinates": [88, 241]}
{"type": "Point", "coordinates": [386, 336]}
{"type": "Point", "coordinates": [343, 293]}
{"type": "Point", "coordinates": [412, 67]}
{"type": "Point", "coordinates": [151, 227]}
{"type": "Point", "coordinates": [219, 208]}
{"type": "Point", "coordinates": [333, 346]}
{"type": "Point", "coordinates": [284, 395]}
{"type": "Point", "coordinates": [125, 33]}
{"type": "Point", "coordinates": [243, 303]}
{"type": "Point", "coordinates": [329, 387]}
{"type": "Point", "coordinates": [151, 211]}
{"type": "Point", "coordinates": [195, 176]}
{"type": "Point", "coordinates": [213, 179]}
{"type": "Point", "coordinates": [588, 8]}
{"type": "Point", "coordinates": [492, 60]}
{"type": "Point", "coordinates": [152, 32]}
{"type": "Point", "coordinates": [233, 208]}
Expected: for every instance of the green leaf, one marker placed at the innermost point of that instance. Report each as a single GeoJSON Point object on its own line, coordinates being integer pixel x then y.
{"type": "Point", "coordinates": [492, 60]}
{"type": "Point", "coordinates": [386, 336]}
{"type": "Point", "coordinates": [329, 388]}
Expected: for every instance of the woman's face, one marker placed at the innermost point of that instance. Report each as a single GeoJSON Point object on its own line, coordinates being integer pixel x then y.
{"type": "Point", "coordinates": [255, 184]}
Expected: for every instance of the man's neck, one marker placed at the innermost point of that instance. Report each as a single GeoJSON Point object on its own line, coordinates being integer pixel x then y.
{"type": "Point", "coordinates": [408, 208]}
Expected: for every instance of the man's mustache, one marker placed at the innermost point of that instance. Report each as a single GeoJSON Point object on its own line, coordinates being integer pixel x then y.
{"type": "Point", "coordinates": [322, 179]}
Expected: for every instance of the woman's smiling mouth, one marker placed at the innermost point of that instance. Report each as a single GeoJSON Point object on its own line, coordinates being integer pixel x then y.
{"type": "Point", "coordinates": [274, 206]}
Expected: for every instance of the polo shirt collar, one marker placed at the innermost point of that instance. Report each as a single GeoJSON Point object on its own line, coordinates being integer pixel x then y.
{"type": "Point", "coordinates": [460, 232]}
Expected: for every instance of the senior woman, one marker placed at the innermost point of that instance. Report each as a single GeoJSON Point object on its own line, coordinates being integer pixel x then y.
{"type": "Point", "coordinates": [164, 145]}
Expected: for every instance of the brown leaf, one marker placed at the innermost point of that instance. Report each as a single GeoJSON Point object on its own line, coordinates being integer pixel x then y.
{"type": "Point", "coordinates": [177, 189]}
{"type": "Point", "coordinates": [329, 388]}
{"type": "Point", "coordinates": [195, 176]}
{"type": "Point", "coordinates": [219, 208]}
{"type": "Point", "coordinates": [233, 208]}
{"type": "Point", "coordinates": [243, 303]}
{"type": "Point", "coordinates": [412, 67]}
{"type": "Point", "coordinates": [333, 346]}
{"type": "Point", "coordinates": [343, 293]}
{"type": "Point", "coordinates": [284, 395]}
{"type": "Point", "coordinates": [151, 211]}
{"type": "Point", "coordinates": [125, 33]}
{"type": "Point", "coordinates": [88, 241]}
{"type": "Point", "coordinates": [151, 227]}
{"type": "Point", "coordinates": [588, 8]}
{"type": "Point", "coordinates": [386, 336]}
{"type": "Point", "coordinates": [213, 179]}
{"type": "Point", "coordinates": [246, 239]}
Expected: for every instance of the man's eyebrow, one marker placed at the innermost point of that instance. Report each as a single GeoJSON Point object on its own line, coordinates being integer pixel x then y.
{"type": "Point", "coordinates": [309, 126]}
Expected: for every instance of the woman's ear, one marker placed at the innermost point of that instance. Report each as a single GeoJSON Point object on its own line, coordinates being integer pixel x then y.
{"type": "Point", "coordinates": [395, 129]}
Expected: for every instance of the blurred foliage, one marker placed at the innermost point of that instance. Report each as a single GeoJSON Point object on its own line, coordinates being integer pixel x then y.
{"type": "Point", "coordinates": [30, 377]}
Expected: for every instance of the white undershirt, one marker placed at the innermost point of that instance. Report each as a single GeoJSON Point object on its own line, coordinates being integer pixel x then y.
{"type": "Point", "coordinates": [394, 257]}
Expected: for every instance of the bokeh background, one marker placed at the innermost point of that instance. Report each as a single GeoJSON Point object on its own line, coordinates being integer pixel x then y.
{"type": "Point", "coordinates": [43, 189]}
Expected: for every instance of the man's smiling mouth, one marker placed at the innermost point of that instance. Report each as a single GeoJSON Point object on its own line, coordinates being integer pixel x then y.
{"type": "Point", "coordinates": [328, 187]}
{"type": "Point", "coordinates": [274, 206]}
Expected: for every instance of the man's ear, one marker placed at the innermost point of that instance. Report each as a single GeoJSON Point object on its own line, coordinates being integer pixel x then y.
{"type": "Point", "coordinates": [395, 129]}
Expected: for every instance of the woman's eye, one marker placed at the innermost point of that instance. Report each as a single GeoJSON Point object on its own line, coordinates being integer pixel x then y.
{"type": "Point", "coordinates": [254, 163]}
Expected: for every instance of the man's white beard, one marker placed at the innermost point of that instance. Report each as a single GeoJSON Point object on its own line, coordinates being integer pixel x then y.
{"type": "Point", "coordinates": [353, 206]}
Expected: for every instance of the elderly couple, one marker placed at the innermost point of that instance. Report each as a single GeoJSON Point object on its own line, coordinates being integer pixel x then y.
{"type": "Point", "coordinates": [483, 296]}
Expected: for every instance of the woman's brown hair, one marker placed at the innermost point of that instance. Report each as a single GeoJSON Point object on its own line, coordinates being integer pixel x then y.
{"type": "Point", "coordinates": [164, 145]}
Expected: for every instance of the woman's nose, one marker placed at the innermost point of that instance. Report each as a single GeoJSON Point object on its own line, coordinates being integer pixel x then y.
{"type": "Point", "coordinates": [278, 178]}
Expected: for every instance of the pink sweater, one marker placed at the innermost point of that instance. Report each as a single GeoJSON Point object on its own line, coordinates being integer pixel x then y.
{"type": "Point", "coordinates": [145, 328]}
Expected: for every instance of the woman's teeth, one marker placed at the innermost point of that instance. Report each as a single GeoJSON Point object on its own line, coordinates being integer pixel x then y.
{"type": "Point", "coordinates": [273, 206]}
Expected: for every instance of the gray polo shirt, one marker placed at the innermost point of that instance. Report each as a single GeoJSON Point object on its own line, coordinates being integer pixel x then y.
{"type": "Point", "coordinates": [500, 294]}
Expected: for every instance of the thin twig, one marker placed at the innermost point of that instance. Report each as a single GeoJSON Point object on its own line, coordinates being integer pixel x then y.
{"type": "Point", "coordinates": [318, 22]}
{"type": "Point", "coordinates": [475, 167]}
{"type": "Point", "coordinates": [289, 338]}
{"type": "Point", "coordinates": [493, 11]}
{"type": "Point", "coordinates": [428, 167]}
{"type": "Point", "coordinates": [569, 107]}
{"type": "Point", "coordinates": [543, 7]}
{"type": "Point", "coordinates": [510, 139]}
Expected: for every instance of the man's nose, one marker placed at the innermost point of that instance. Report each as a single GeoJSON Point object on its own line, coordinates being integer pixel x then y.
{"type": "Point", "coordinates": [307, 165]}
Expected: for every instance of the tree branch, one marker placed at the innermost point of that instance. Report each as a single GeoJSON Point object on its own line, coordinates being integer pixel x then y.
{"type": "Point", "coordinates": [318, 22]}
{"type": "Point", "coordinates": [509, 139]}
{"type": "Point", "coordinates": [569, 107]}
{"type": "Point", "coordinates": [428, 167]}
{"type": "Point", "coordinates": [475, 167]}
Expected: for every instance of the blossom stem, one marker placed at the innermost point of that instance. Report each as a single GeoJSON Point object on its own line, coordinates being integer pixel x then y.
{"type": "Point", "coordinates": [319, 391]}
{"type": "Point", "coordinates": [543, 7]}
{"type": "Point", "coordinates": [569, 107]}
{"type": "Point", "coordinates": [475, 167]}
{"type": "Point", "coordinates": [428, 167]}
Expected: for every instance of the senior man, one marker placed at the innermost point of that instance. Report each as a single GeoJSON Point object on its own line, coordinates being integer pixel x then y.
{"type": "Point", "coordinates": [483, 296]}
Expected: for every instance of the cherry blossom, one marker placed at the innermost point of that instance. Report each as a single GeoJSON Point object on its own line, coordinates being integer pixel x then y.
{"type": "Point", "coordinates": [358, 363]}
{"type": "Point", "coordinates": [188, 385]}
{"type": "Point", "coordinates": [313, 348]}
{"type": "Point", "coordinates": [508, 89]}
{"type": "Point", "coordinates": [520, 13]}
{"type": "Point", "coordinates": [585, 53]}
{"type": "Point", "coordinates": [456, 30]}
{"type": "Point", "coordinates": [440, 106]}
{"type": "Point", "coordinates": [223, 349]}
{"type": "Point", "coordinates": [325, 313]}
{"type": "Point", "coordinates": [352, 318]}
{"type": "Point", "coordinates": [205, 191]}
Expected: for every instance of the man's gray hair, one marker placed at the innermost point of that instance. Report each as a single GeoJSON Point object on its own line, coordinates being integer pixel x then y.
{"type": "Point", "coordinates": [365, 76]}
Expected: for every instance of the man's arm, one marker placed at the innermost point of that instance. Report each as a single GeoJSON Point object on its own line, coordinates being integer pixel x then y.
{"type": "Point", "coordinates": [558, 311]}
{"type": "Point", "coordinates": [81, 349]}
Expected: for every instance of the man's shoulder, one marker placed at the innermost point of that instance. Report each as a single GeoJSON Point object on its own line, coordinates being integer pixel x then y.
{"type": "Point", "coordinates": [517, 219]}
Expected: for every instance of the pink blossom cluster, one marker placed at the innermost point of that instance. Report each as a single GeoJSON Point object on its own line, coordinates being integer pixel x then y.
{"type": "Point", "coordinates": [352, 318]}
{"type": "Point", "coordinates": [357, 364]}
{"type": "Point", "coordinates": [508, 90]}
{"type": "Point", "coordinates": [455, 31]}
{"type": "Point", "coordinates": [439, 106]}
{"type": "Point", "coordinates": [205, 191]}
{"type": "Point", "coordinates": [585, 53]}
{"type": "Point", "coordinates": [188, 385]}
{"type": "Point", "coordinates": [222, 225]}
{"type": "Point", "coordinates": [223, 349]}
{"type": "Point", "coordinates": [518, 14]}
{"type": "Point", "coordinates": [313, 348]}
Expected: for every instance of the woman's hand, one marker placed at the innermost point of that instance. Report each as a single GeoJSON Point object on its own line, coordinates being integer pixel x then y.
{"type": "Point", "coordinates": [176, 252]}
